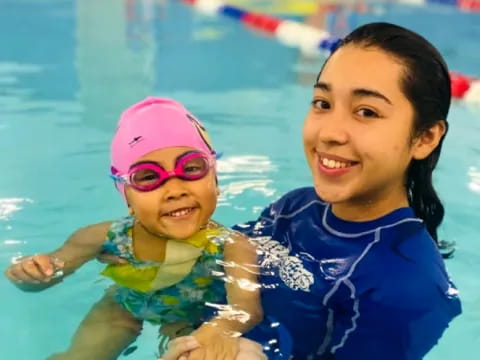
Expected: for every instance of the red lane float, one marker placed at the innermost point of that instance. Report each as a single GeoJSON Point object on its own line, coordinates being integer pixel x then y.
{"type": "Point", "coordinates": [311, 40]}
{"type": "Point", "coordinates": [465, 87]}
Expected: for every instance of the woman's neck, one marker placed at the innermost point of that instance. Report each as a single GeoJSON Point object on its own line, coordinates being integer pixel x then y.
{"type": "Point", "coordinates": [370, 207]}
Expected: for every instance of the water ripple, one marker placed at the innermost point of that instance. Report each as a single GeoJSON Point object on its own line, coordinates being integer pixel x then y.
{"type": "Point", "coordinates": [8, 206]}
{"type": "Point", "coordinates": [474, 183]}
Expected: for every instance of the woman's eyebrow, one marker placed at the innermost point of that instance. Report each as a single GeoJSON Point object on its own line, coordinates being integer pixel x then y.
{"type": "Point", "coordinates": [361, 92]}
{"type": "Point", "coordinates": [370, 93]}
{"type": "Point", "coordinates": [322, 86]}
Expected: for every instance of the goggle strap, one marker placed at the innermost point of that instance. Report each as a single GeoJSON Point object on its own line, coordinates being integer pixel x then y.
{"type": "Point", "coordinates": [117, 178]}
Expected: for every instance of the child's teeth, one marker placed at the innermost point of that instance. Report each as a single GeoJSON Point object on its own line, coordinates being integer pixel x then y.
{"type": "Point", "coordinates": [180, 212]}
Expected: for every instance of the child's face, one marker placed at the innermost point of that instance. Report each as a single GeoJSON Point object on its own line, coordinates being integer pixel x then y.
{"type": "Point", "coordinates": [360, 125]}
{"type": "Point", "coordinates": [178, 208]}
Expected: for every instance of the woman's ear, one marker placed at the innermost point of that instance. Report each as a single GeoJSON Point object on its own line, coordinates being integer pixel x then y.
{"type": "Point", "coordinates": [428, 140]}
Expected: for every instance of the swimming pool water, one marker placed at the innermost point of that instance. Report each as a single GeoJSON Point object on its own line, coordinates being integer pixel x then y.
{"type": "Point", "coordinates": [67, 68]}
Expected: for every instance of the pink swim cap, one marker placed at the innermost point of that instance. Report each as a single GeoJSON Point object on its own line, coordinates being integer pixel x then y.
{"type": "Point", "coordinates": [153, 124]}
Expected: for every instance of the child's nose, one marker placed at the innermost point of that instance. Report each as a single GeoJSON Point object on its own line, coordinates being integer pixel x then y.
{"type": "Point", "coordinates": [174, 189]}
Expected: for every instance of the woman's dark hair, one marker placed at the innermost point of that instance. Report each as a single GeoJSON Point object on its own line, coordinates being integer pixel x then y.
{"type": "Point", "coordinates": [426, 84]}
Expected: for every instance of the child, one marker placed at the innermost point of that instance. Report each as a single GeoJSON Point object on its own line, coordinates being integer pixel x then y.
{"type": "Point", "coordinates": [164, 167]}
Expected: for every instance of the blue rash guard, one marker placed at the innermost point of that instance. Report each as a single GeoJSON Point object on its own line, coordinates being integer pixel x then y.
{"type": "Point", "coordinates": [335, 289]}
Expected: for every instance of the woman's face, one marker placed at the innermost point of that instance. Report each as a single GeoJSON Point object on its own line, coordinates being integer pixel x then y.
{"type": "Point", "coordinates": [357, 134]}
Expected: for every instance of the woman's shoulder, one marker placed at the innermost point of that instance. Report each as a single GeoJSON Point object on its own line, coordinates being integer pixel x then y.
{"type": "Point", "coordinates": [407, 267]}
{"type": "Point", "coordinates": [411, 244]}
{"type": "Point", "coordinates": [297, 200]}
{"type": "Point", "coordinates": [301, 202]}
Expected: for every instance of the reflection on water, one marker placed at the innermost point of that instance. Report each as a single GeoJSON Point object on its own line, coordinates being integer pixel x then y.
{"type": "Point", "coordinates": [9, 74]}
{"type": "Point", "coordinates": [474, 183]}
{"type": "Point", "coordinates": [115, 45]}
{"type": "Point", "coordinates": [249, 164]}
{"type": "Point", "coordinates": [244, 173]}
{"type": "Point", "coordinates": [9, 206]}
{"type": "Point", "coordinates": [75, 65]}
{"type": "Point", "coordinates": [12, 242]}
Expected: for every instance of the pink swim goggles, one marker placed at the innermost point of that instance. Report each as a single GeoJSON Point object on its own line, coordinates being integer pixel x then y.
{"type": "Point", "coordinates": [148, 176]}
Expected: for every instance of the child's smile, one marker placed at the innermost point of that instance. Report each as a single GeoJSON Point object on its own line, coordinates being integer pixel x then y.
{"type": "Point", "coordinates": [178, 208]}
{"type": "Point", "coordinates": [181, 213]}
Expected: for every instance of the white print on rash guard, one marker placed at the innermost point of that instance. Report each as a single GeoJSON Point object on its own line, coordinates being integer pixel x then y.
{"type": "Point", "coordinates": [290, 268]}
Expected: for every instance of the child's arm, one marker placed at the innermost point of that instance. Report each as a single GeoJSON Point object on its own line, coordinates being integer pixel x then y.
{"type": "Point", "coordinates": [242, 286]}
{"type": "Point", "coordinates": [219, 337]}
{"type": "Point", "coordinates": [38, 272]}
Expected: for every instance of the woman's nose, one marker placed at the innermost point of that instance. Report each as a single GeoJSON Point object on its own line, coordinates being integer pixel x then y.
{"type": "Point", "coordinates": [333, 128]}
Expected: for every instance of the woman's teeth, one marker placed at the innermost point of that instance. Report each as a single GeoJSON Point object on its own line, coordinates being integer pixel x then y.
{"type": "Point", "coordinates": [333, 164]}
{"type": "Point", "coordinates": [181, 212]}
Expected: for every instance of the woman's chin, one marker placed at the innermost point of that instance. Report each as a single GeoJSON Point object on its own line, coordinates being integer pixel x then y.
{"type": "Point", "coordinates": [331, 194]}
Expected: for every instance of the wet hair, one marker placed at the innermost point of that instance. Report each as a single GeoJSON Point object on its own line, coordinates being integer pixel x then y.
{"type": "Point", "coordinates": [426, 84]}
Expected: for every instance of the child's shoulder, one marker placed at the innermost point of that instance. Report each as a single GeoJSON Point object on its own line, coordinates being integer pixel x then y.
{"type": "Point", "coordinates": [119, 236]}
{"type": "Point", "coordinates": [120, 226]}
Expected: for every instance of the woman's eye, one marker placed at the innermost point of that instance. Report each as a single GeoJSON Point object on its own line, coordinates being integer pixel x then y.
{"type": "Point", "coordinates": [321, 104]}
{"type": "Point", "coordinates": [369, 113]}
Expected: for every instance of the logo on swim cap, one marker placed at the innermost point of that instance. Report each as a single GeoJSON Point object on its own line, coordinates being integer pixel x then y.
{"type": "Point", "coordinates": [135, 141]}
